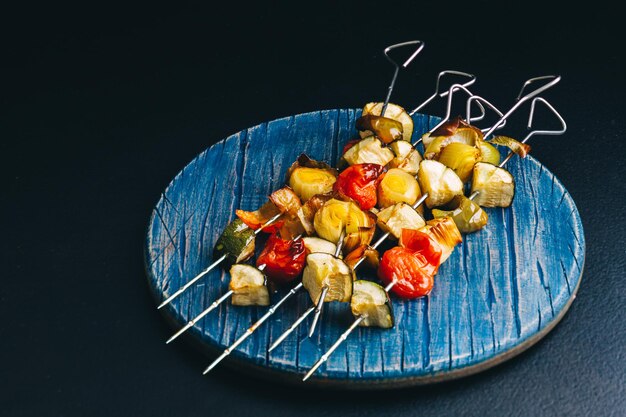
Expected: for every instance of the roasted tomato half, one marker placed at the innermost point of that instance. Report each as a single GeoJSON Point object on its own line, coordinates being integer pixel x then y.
{"type": "Point", "coordinates": [411, 268]}
{"type": "Point", "coordinates": [360, 182]}
{"type": "Point", "coordinates": [283, 259]}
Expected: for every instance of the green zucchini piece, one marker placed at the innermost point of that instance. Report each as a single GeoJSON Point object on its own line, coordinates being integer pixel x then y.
{"type": "Point", "coordinates": [319, 245]}
{"type": "Point", "coordinates": [236, 242]}
{"type": "Point", "coordinates": [323, 269]}
{"type": "Point", "coordinates": [249, 286]}
{"type": "Point", "coordinates": [372, 301]}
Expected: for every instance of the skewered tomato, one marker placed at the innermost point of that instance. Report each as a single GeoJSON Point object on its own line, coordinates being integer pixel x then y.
{"type": "Point", "coordinates": [283, 259]}
{"type": "Point", "coordinates": [412, 268]}
{"type": "Point", "coordinates": [360, 182]}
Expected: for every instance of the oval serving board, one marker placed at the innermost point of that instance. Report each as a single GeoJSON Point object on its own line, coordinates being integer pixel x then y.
{"type": "Point", "coordinates": [502, 289]}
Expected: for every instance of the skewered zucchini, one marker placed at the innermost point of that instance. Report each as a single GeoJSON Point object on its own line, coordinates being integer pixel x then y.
{"type": "Point", "coordinates": [372, 301]}
{"type": "Point", "coordinates": [236, 242]}
{"type": "Point", "coordinates": [368, 151]}
{"type": "Point", "coordinates": [397, 217]}
{"type": "Point", "coordinates": [248, 286]}
{"type": "Point", "coordinates": [323, 269]}
{"type": "Point", "coordinates": [439, 181]}
{"type": "Point", "coordinates": [393, 111]}
{"type": "Point", "coordinates": [318, 245]}
{"type": "Point", "coordinates": [467, 215]}
{"type": "Point", "coordinates": [397, 186]}
{"type": "Point", "coordinates": [407, 158]}
{"type": "Point", "coordinates": [495, 185]}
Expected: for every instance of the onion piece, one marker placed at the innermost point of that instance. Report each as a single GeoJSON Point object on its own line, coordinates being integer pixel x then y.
{"type": "Point", "coordinates": [521, 149]}
{"type": "Point", "coordinates": [393, 111]}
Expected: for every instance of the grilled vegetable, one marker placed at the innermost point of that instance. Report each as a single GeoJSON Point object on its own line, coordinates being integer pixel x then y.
{"type": "Point", "coordinates": [495, 185]}
{"type": "Point", "coordinates": [255, 219]}
{"type": "Point", "coordinates": [236, 242]}
{"type": "Point", "coordinates": [397, 186]}
{"type": "Point", "coordinates": [283, 259]}
{"type": "Point", "coordinates": [442, 230]}
{"type": "Point", "coordinates": [323, 269]}
{"type": "Point", "coordinates": [460, 158]}
{"type": "Point", "coordinates": [335, 215]}
{"type": "Point", "coordinates": [307, 182]}
{"type": "Point", "coordinates": [372, 301]}
{"type": "Point", "coordinates": [467, 215]}
{"type": "Point", "coordinates": [407, 158]}
{"type": "Point", "coordinates": [318, 245]}
{"type": "Point", "coordinates": [359, 183]}
{"type": "Point", "coordinates": [489, 153]}
{"type": "Point", "coordinates": [453, 131]}
{"type": "Point", "coordinates": [306, 214]}
{"type": "Point", "coordinates": [397, 217]}
{"type": "Point", "coordinates": [371, 256]}
{"type": "Point", "coordinates": [439, 181]}
{"type": "Point", "coordinates": [384, 128]}
{"type": "Point", "coordinates": [411, 268]}
{"type": "Point", "coordinates": [248, 286]}
{"type": "Point", "coordinates": [286, 201]}
{"type": "Point", "coordinates": [393, 111]}
{"type": "Point", "coordinates": [368, 151]}
{"type": "Point", "coordinates": [521, 149]}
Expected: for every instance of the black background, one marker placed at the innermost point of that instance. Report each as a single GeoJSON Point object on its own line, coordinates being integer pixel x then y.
{"type": "Point", "coordinates": [103, 104]}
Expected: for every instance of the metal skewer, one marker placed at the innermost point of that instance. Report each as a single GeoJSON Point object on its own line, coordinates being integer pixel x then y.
{"type": "Point", "coordinates": [320, 302]}
{"type": "Point", "coordinates": [389, 286]}
{"type": "Point", "coordinates": [212, 266]}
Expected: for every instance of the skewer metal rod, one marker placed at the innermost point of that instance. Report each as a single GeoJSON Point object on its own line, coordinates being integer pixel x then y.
{"type": "Point", "coordinates": [397, 68]}
{"type": "Point", "coordinates": [291, 328]}
{"type": "Point", "coordinates": [252, 328]}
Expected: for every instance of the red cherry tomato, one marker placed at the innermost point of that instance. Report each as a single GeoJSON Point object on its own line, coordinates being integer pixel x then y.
{"type": "Point", "coordinates": [411, 268]}
{"type": "Point", "coordinates": [359, 182]}
{"type": "Point", "coordinates": [283, 259]}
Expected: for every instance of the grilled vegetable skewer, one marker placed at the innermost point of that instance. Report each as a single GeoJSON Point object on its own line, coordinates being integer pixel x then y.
{"type": "Point", "coordinates": [360, 318]}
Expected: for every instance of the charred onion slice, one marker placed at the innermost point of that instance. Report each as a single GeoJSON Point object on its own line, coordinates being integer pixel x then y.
{"type": "Point", "coordinates": [393, 111]}
{"type": "Point", "coordinates": [306, 214]}
{"type": "Point", "coordinates": [336, 215]}
{"type": "Point", "coordinates": [372, 301]}
{"type": "Point", "coordinates": [370, 254]}
{"type": "Point", "coordinates": [359, 183]}
{"type": "Point", "coordinates": [521, 149]}
{"type": "Point", "coordinates": [454, 131]}
{"type": "Point", "coordinates": [407, 158]}
{"type": "Point", "coordinates": [236, 242]}
{"type": "Point", "coordinates": [397, 217]}
{"type": "Point", "coordinates": [467, 215]}
{"type": "Point", "coordinates": [496, 186]}
{"type": "Point", "coordinates": [323, 269]}
{"type": "Point", "coordinates": [248, 286]}
{"type": "Point", "coordinates": [489, 153]}
{"type": "Point", "coordinates": [460, 158]}
{"type": "Point", "coordinates": [286, 201]}
{"type": "Point", "coordinates": [440, 182]}
{"type": "Point", "coordinates": [397, 186]}
{"type": "Point", "coordinates": [283, 259]}
{"type": "Point", "coordinates": [384, 128]}
{"type": "Point", "coordinates": [368, 151]}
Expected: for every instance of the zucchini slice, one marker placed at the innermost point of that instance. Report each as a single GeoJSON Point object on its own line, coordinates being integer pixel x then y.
{"type": "Point", "coordinates": [407, 158]}
{"type": "Point", "coordinates": [319, 245]}
{"type": "Point", "coordinates": [496, 186]}
{"type": "Point", "coordinates": [236, 242]}
{"type": "Point", "coordinates": [397, 217]}
{"type": "Point", "coordinates": [323, 269]}
{"type": "Point", "coordinates": [249, 286]}
{"type": "Point", "coordinates": [372, 301]}
{"type": "Point", "coordinates": [368, 151]}
{"type": "Point", "coordinates": [439, 181]}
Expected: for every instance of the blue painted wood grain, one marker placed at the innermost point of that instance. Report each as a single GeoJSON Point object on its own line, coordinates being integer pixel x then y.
{"type": "Point", "coordinates": [500, 291]}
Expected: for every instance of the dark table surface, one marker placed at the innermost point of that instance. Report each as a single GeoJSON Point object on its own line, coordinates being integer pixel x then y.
{"type": "Point", "coordinates": [102, 106]}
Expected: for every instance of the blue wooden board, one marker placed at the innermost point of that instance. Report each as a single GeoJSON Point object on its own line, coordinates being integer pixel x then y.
{"type": "Point", "coordinates": [503, 289]}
